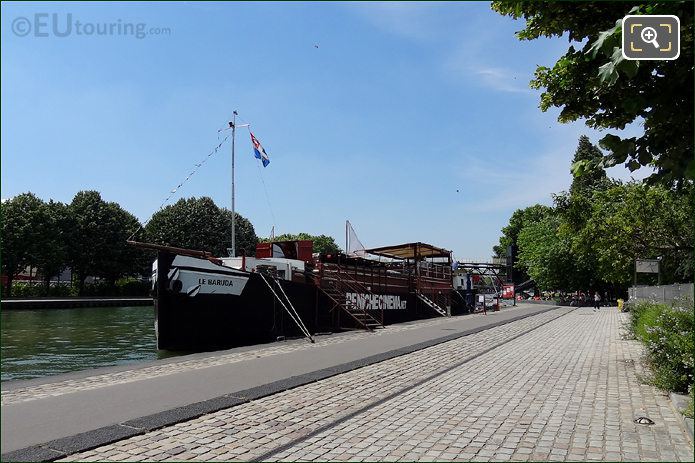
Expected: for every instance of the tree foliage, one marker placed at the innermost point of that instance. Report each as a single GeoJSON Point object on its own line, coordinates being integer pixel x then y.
{"type": "Point", "coordinates": [616, 225]}
{"type": "Point", "coordinates": [634, 220]}
{"type": "Point", "coordinates": [517, 221]}
{"type": "Point", "coordinates": [22, 236]}
{"type": "Point", "coordinates": [197, 223]}
{"type": "Point", "coordinates": [594, 177]}
{"type": "Point", "coordinates": [546, 255]}
{"type": "Point", "coordinates": [89, 236]}
{"type": "Point", "coordinates": [97, 238]}
{"type": "Point", "coordinates": [597, 229]}
{"type": "Point", "coordinates": [322, 243]}
{"type": "Point", "coordinates": [52, 258]}
{"type": "Point", "coordinates": [592, 81]}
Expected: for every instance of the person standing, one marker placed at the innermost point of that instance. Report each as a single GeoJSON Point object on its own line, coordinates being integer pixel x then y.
{"type": "Point", "coordinates": [597, 301]}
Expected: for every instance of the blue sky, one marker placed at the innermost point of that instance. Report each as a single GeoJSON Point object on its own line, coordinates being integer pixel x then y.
{"type": "Point", "coordinates": [400, 106]}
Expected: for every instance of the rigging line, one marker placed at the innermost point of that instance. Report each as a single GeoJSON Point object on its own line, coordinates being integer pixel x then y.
{"type": "Point", "coordinates": [247, 124]}
{"type": "Point", "coordinates": [265, 189]}
{"type": "Point", "coordinates": [196, 167]}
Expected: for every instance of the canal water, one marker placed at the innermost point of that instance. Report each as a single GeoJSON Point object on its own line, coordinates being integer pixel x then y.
{"type": "Point", "coordinates": [37, 343]}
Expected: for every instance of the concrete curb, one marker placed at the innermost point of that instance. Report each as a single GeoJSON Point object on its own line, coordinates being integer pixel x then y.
{"type": "Point", "coordinates": [60, 448]}
{"type": "Point", "coordinates": [679, 403]}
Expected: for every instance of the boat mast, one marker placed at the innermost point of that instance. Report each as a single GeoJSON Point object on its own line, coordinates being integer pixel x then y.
{"type": "Point", "coordinates": [233, 126]}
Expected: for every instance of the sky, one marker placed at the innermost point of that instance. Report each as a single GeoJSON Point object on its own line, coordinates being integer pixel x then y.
{"type": "Point", "coordinates": [414, 121]}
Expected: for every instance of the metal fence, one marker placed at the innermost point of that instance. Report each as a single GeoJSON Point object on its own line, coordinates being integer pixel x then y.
{"type": "Point", "coordinates": [665, 293]}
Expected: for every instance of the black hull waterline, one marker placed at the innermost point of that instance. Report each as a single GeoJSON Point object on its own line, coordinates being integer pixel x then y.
{"type": "Point", "coordinates": [200, 305]}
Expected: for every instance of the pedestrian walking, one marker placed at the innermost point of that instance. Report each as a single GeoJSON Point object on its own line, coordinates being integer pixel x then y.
{"type": "Point", "coordinates": [597, 301]}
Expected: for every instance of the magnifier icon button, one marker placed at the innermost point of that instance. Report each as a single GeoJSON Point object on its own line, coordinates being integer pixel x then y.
{"type": "Point", "coordinates": [648, 34]}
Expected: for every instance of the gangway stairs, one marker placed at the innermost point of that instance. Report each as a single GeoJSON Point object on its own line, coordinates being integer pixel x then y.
{"type": "Point", "coordinates": [285, 302]}
{"type": "Point", "coordinates": [433, 305]}
{"type": "Point", "coordinates": [336, 284]}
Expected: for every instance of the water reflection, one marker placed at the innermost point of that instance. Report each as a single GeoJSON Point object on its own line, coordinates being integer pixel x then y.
{"type": "Point", "coordinates": [38, 343]}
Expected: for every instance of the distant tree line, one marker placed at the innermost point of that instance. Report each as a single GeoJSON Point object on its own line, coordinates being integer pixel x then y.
{"type": "Point", "coordinates": [89, 236]}
{"type": "Point", "coordinates": [322, 243]}
{"type": "Point", "coordinates": [590, 237]}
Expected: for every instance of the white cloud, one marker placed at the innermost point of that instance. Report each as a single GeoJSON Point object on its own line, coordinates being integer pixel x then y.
{"type": "Point", "coordinates": [501, 79]}
{"type": "Point", "coordinates": [418, 21]}
{"type": "Point", "coordinates": [466, 53]}
{"type": "Point", "coordinates": [508, 186]}
{"type": "Point", "coordinates": [480, 56]}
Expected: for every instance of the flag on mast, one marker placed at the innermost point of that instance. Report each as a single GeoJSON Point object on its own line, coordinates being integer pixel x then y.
{"type": "Point", "coordinates": [259, 152]}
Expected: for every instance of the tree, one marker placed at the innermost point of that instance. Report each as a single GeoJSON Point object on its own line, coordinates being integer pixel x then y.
{"type": "Point", "coordinates": [97, 238]}
{"type": "Point", "coordinates": [592, 178]}
{"type": "Point", "coordinates": [322, 243]}
{"type": "Point", "coordinates": [572, 206]}
{"type": "Point", "coordinates": [519, 218]}
{"type": "Point", "coordinates": [197, 223]}
{"type": "Point", "coordinates": [546, 255]}
{"type": "Point", "coordinates": [244, 233]}
{"type": "Point", "coordinates": [595, 83]}
{"type": "Point", "coordinates": [121, 259]}
{"type": "Point", "coordinates": [53, 256]}
{"type": "Point", "coordinates": [635, 220]}
{"type": "Point", "coordinates": [22, 237]}
{"type": "Point", "coordinates": [572, 210]}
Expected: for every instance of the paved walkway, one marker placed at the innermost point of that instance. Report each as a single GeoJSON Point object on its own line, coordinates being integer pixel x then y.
{"type": "Point", "coordinates": [24, 391]}
{"type": "Point", "coordinates": [541, 388]}
{"type": "Point", "coordinates": [64, 414]}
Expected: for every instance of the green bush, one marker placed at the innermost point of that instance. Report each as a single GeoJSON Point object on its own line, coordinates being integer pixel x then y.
{"type": "Point", "coordinates": [98, 289]}
{"type": "Point", "coordinates": [23, 289]}
{"type": "Point", "coordinates": [123, 287]}
{"type": "Point", "coordinates": [62, 290]}
{"type": "Point", "coordinates": [690, 411]}
{"type": "Point", "coordinates": [132, 287]}
{"type": "Point", "coordinates": [667, 333]}
{"type": "Point", "coordinates": [644, 315]}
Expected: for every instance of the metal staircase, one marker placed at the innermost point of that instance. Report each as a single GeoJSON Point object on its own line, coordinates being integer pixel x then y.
{"type": "Point", "coordinates": [429, 302]}
{"type": "Point", "coordinates": [334, 284]}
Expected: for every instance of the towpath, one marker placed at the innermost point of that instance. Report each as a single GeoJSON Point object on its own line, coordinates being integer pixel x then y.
{"type": "Point", "coordinates": [558, 384]}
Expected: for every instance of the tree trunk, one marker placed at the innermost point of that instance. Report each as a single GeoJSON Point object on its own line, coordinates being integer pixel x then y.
{"type": "Point", "coordinates": [9, 285]}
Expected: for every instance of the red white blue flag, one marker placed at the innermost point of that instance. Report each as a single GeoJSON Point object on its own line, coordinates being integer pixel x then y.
{"type": "Point", "coordinates": [259, 152]}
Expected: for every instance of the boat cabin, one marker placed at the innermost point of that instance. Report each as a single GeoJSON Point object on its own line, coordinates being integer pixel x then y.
{"type": "Point", "coordinates": [285, 260]}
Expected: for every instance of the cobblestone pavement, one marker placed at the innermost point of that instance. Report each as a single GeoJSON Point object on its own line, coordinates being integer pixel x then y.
{"type": "Point", "coordinates": [24, 394]}
{"type": "Point", "coordinates": [567, 390]}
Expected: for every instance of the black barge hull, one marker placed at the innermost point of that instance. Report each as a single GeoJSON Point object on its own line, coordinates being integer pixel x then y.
{"type": "Point", "coordinates": [200, 305]}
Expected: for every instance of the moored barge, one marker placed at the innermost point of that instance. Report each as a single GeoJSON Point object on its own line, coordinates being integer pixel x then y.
{"type": "Point", "coordinates": [204, 302]}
